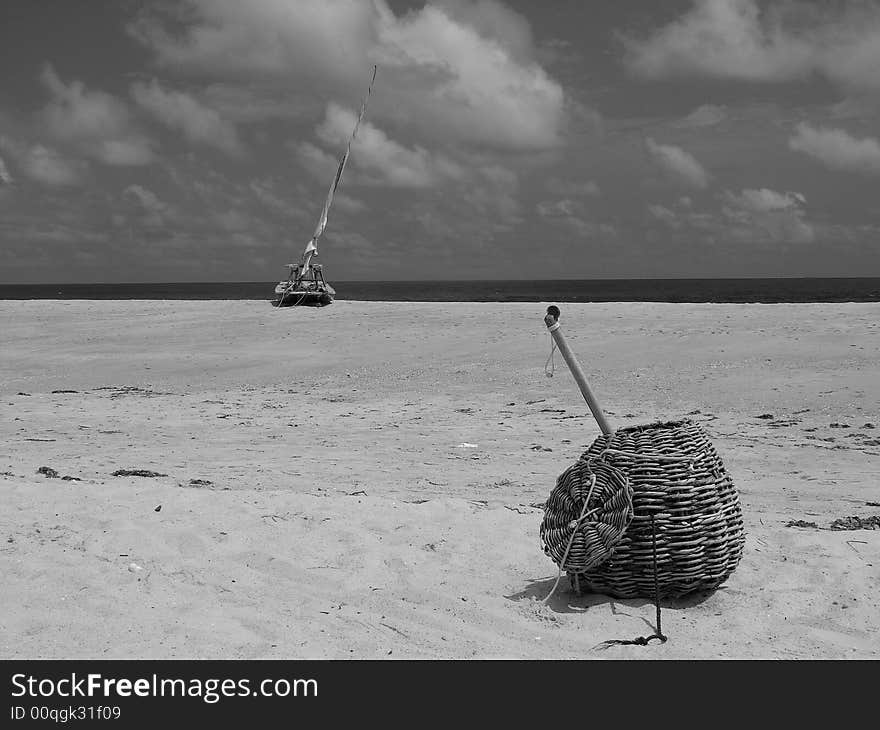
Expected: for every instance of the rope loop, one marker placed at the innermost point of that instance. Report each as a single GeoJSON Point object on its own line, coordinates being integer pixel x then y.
{"type": "Point", "coordinates": [550, 362]}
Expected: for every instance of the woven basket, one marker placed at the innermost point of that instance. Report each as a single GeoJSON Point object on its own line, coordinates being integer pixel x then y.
{"type": "Point", "coordinates": [676, 475]}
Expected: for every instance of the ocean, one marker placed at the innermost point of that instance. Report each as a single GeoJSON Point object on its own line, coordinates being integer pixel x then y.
{"type": "Point", "coordinates": [567, 290]}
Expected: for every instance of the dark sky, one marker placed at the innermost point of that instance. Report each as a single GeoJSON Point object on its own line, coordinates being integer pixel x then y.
{"type": "Point", "coordinates": [146, 140]}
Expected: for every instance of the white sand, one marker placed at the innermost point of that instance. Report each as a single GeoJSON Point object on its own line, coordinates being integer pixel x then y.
{"type": "Point", "coordinates": [345, 519]}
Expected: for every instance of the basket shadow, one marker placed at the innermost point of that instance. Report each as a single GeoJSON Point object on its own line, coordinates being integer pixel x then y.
{"type": "Point", "coordinates": [566, 600]}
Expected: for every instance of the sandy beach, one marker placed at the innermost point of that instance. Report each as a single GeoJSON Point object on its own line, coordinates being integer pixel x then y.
{"type": "Point", "coordinates": [365, 480]}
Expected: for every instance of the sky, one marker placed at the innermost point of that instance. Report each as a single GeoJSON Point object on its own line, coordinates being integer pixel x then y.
{"type": "Point", "coordinates": [195, 140]}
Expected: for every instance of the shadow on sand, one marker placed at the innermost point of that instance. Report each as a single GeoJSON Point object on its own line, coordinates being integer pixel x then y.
{"type": "Point", "coordinates": [566, 600]}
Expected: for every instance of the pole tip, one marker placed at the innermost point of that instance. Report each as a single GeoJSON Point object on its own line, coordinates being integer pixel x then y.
{"type": "Point", "coordinates": [552, 315]}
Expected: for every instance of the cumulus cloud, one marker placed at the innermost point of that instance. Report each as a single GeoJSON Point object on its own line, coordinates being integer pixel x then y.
{"type": "Point", "coordinates": [146, 207]}
{"type": "Point", "coordinates": [494, 21]}
{"type": "Point", "coordinates": [837, 149]}
{"type": "Point", "coordinates": [571, 213]}
{"type": "Point", "coordinates": [706, 115]}
{"type": "Point", "coordinates": [751, 216]}
{"type": "Point", "coordinates": [719, 38]}
{"type": "Point", "coordinates": [665, 215]}
{"type": "Point", "coordinates": [679, 164]}
{"type": "Point", "coordinates": [738, 39]}
{"type": "Point", "coordinates": [41, 164]}
{"type": "Point", "coordinates": [316, 161]}
{"type": "Point", "coordinates": [181, 111]}
{"type": "Point", "coordinates": [384, 160]}
{"type": "Point", "coordinates": [5, 177]}
{"type": "Point", "coordinates": [462, 71]}
{"type": "Point", "coordinates": [265, 191]}
{"type": "Point", "coordinates": [575, 188]}
{"type": "Point", "coordinates": [98, 124]}
{"type": "Point", "coordinates": [768, 214]}
{"type": "Point", "coordinates": [557, 208]}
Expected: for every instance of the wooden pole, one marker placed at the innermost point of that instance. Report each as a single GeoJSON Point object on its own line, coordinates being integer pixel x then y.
{"type": "Point", "coordinates": [551, 319]}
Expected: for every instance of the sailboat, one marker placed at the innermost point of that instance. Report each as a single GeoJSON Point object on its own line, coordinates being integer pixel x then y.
{"type": "Point", "coordinates": [305, 285]}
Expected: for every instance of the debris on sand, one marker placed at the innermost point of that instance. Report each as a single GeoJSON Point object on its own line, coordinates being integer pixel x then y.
{"type": "Point", "coordinates": [869, 425]}
{"type": "Point", "coordinates": [65, 391]}
{"type": "Point", "coordinates": [801, 523]}
{"type": "Point", "coordinates": [201, 483]}
{"type": "Point", "coordinates": [838, 425]}
{"type": "Point", "coordinates": [856, 523]}
{"type": "Point", "coordinates": [765, 416]}
{"type": "Point", "coordinates": [48, 471]}
{"type": "Point", "coordinates": [21, 393]}
{"type": "Point", "coordinates": [68, 478]}
{"type": "Point", "coordinates": [520, 509]}
{"type": "Point", "coordinates": [137, 473]}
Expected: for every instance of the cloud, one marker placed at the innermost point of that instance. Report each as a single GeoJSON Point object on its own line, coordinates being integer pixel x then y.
{"type": "Point", "coordinates": [767, 214]}
{"type": "Point", "coordinates": [837, 149]}
{"type": "Point", "coordinates": [706, 115]}
{"type": "Point", "coordinates": [318, 163]}
{"type": "Point", "coordinates": [5, 177]}
{"type": "Point", "coordinates": [146, 207]}
{"type": "Point", "coordinates": [42, 164]}
{"type": "Point", "coordinates": [570, 213]}
{"type": "Point", "coordinates": [753, 215]}
{"type": "Point", "coordinates": [265, 192]}
{"type": "Point", "coordinates": [456, 71]}
{"type": "Point", "coordinates": [98, 124]}
{"type": "Point", "coordinates": [384, 160]}
{"type": "Point", "coordinates": [737, 39]}
{"type": "Point", "coordinates": [586, 188]}
{"type": "Point", "coordinates": [724, 38]}
{"type": "Point", "coordinates": [180, 111]}
{"type": "Point", "coordinates": [494, 21]}
{"type": "Point", "coordinates": [557, 208]}
{"type": "Point", "coordinates": [257, 102]}
{"type": "Point", "coordinates": [664, 215]}
{"type": "Point", "coordinates": [678, 163]}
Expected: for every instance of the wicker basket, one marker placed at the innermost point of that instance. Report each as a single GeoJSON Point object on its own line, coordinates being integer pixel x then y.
{"type": "Point", "coordinates": [586, 515]}
{"type": "Point", "coordinates": [676, 475]}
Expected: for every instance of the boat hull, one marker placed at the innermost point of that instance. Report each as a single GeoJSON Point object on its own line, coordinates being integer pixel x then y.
{"type": "Point", "coordinates": [303, 299]}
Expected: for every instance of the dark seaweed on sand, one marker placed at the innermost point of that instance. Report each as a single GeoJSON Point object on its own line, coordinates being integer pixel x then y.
{"type": "Point", "coordinates": [137, 473]}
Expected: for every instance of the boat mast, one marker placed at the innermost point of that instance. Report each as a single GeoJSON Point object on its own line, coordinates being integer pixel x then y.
{"type": "Point", "coordinates": [312, 246]}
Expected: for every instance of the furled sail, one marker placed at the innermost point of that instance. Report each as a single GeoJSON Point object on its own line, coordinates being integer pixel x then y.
{"type": "Point", "coordinates": [312, 247]}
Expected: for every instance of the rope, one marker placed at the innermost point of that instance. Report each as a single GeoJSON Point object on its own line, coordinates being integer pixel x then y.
{"type": "Point", "coordinates": [296, 304]}
{"type": "Point", "coordinates": [574, 525]}
{"type": "Point", "coordinates": [550, 361]}
{"type": "Point", "coordinates": [658, 634]}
